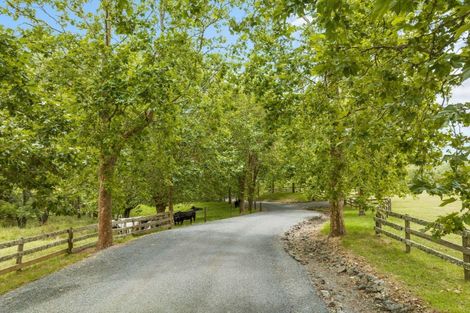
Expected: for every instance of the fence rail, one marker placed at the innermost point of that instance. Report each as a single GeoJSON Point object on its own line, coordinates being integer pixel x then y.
{"type": "Point", "coordinates": [381, 219]}
{"type": "Point", "coordinates": [385, 203]}
{"type": "Point", "coordinates": [66, 240]}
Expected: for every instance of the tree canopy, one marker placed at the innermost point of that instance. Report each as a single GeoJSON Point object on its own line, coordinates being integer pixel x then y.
{"type": "Point", "coordinates": [106, 105]}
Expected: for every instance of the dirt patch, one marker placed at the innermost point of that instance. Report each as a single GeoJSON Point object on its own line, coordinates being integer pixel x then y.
{"type": "Point", "coordinates": [345, 281]}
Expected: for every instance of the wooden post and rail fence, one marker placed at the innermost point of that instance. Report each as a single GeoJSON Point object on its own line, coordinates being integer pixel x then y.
{"type": "Point", "coordinates": [404, 233]}
{"type": "Point", "coordinates": [73, 240]}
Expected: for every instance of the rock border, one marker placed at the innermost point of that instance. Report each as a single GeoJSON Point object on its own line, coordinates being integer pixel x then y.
{"type": "Point", "coordinates": [346, 282]}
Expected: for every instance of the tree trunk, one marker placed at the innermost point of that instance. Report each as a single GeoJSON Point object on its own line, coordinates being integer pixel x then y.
{"type": "Point", "coordinates": [251, 189]}
{"type": "Point", "coordinates": [44, 217]}
{"type": "Point", "coordinates": [293, 187]}
{"type": "Point", "coordinates": [170, 202]}
{"type": "Point", "coordinates": [250, 199]}
{"type": "Point", "coordinates": [127, 212]}
{"type": "Point", "coordinates": [78, 206]}
{"type": "Point", "coordinates": [160, 203]}
{"type": "Point", "coordinates": [105, 212]}
{"type": "Point", "coordinates": [362, 209]}
{"type": "Point", "coordinates": [229, 195]}
{"type": "Point", "coordinates": [336, 218]}
{"type": "Point", "coordinates": [252, 178]}
{"type": "Point", "coordinates": [241, 192]}
{"type": "Point", "coordinates": [337, 227]}
{"type": "Point", "coordinates": [21, 221]}
{"type": "Point", "coordinates": [272, 186]}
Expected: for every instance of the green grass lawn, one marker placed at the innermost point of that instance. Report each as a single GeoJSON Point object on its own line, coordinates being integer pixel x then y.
{"type": "Point", "coordinates": [423, 206]}
{"type": "Point", "coordinates": [215, 211]}
{"type": "Point", "coordinates": [14, 280]}
{"type": "Point", "coordinates": [426, 208]}
{"type": "Point", "coordinates": [53, 224]}
{"type": "Point", "coordinates": [438, 282]}
{"type": "Point", "coordinates": [284, 197]}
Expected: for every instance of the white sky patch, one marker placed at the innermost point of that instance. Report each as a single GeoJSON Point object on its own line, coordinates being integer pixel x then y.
{"type": "Point", "coordinates": [299, 21]}
{"type": "Point", "coordinates": [461, 93]}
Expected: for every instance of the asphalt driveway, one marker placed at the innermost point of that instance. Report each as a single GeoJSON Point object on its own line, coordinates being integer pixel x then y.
{"type": "Point", "coordinates": [232, 265]}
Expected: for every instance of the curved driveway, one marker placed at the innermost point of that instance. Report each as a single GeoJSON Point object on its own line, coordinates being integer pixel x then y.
{"type": "Point", "coordinates": [232, 265]}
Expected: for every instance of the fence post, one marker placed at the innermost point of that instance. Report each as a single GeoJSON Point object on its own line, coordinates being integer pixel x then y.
{"type": "Point", "coordinates": [389, 205]}
{"type": "Point", "coordinates": [19, 257]}
{"type": "Point", "coordinates": [205, 215]}
{"type": "Point", "coordinates": [466, 255]}
{"type": "Point", "coordinates": [378, 225]}
{"type": "Point", "coordinates": [407, 234]}
{"type": "Point", "coordinates": [70, 240]}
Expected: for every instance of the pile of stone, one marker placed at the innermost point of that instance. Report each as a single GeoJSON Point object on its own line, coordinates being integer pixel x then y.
{"type": "Point", "coordinates": [316, 249]}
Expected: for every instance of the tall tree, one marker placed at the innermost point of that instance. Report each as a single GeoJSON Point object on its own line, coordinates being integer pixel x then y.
{"type": "Point", "coordinates": [356, 84]}
{"type": "Point", "coordinates": [127, 64]}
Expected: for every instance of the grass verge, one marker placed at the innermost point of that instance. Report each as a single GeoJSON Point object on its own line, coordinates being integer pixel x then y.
{"type": "Point", "coordinates": [14, 280]}
{"type": "Point", "coordinates": [437, 282]}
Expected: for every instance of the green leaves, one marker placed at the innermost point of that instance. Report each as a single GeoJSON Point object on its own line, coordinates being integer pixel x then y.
{"type": "Point", "coordinates": [455, 113]}
{"type": "Point", "coordinates": [345, 102]}
{"type": "Point", "coordinates": [447, 224]}
{"type": "Point", "coordinates": [358, 89]}
{"type": "Point", "coordinates": [68, 97]}
{"type": "Point", "coordinates": [448, 201]}
{"type": "Point", "coordinates": [399, 7]}
{"type": "Point", "coordinates": [381, 7]}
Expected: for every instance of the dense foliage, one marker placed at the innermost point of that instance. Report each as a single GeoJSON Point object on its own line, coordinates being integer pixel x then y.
{"type": "Point", "coordinates": [352, 86]}
{"type": "Point", "coordinates": [106, 105]}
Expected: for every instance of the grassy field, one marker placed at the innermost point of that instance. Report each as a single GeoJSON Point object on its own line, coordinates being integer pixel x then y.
{"type": "Point", "coordinates": [215, 211]}
{"type": "Point", "coordinates": [284, 197]}
{"type": "Point", "coordinates": [423, 206]}
{"type": "Point", "coordinates": [438, 282]}
{"type": "Point", "coordinates": [54, 223]}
